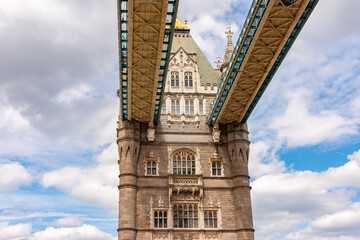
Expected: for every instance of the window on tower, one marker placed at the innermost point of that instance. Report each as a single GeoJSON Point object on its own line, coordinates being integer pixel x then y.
{"type": "Point", "coordinates": [210, 219]}
{"type": "Point", "coordinates": [160, 219]}
{"type": "Point", "coordinates": [183, 162]}
{"type": "Point", "coordinates": [163, 107]}
{"type": "Point", "coordinates": [151, 165]}
{"type": "Point", "coordinates": [188, 79]}
{"type": "Point", "coordinates": [201, 107]}
{"type": "Point", "coordinates": [216, 168]}
{"type": "Point", "coordinates": [151, 168]}
{"type": "Point", "coordinates": [186, 216]}
{"type": "Point", "coordinates": [189, 107]}
{"type": "Point", "coordinates": [175, 106]}
{"type": "Point", "coordinates": [174, 79]}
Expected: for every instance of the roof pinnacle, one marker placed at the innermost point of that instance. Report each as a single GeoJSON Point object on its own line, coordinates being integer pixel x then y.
{"type": "Point", "coordinates": [229, 33]}
{"type": "Point", "coordinates": [229, 48]}
{"type": "Point", "coordinates": [218, 62]}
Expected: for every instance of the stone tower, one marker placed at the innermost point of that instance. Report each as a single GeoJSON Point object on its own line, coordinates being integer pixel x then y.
{"type": "Point", "coordinates": [186, 180]}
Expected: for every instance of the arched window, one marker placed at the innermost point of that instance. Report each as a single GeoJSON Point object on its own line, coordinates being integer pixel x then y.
{"type": "Point", "coordinates": [175, 107]}
{"type": "Point", "coordinates": [201, 108]}
{"type": "Point", "coordinates": [188, 79]}
{"type": "Point", "coordinates": [183, 162]}
{"type": "Point", "coordinates": [151, 168]}
{"type": "Point", "coordinates": [177, 79]}
{"type": "Point", "coordinates": [163, 107]}
{"type": "Point", "coordinates": [189, 107]}
{"type": "Point", "coordinates": [174, 79]}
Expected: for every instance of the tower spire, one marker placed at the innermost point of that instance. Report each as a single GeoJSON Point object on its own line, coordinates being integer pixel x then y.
{"type": "Point", "coordinates": [229, 48]}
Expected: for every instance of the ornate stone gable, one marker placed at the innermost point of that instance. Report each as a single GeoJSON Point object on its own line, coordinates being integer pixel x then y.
{"type": "Point", "coordinates": [182, 59]}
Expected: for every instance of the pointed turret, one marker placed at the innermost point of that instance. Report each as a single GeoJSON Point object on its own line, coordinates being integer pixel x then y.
{"type": "Point", "coordinates": [229, 49]}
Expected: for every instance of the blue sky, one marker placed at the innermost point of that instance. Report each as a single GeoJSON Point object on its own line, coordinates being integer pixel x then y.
{"type": "Point", "coordinates": [58, 81]}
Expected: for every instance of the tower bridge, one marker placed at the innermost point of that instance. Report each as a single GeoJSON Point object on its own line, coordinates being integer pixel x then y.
{"type": "Point", "coordinates": [190, 180]}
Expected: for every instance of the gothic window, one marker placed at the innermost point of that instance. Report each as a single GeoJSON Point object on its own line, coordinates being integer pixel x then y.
{"type": "Point", "coordinates": [201, 107]}
{"type": "Point", "coordinates": [151, 165]}
{"type": "Point", "coordinates": [151, 168]}
{"type": "Point", "coordinates": [188, 79]}
{"type": "Point", "coordinates": [189, 107]}
{"type": "Point", "coordinates": [175, 107]}
{"type": "Point", "coordinates": [210, 219]}
{"type": "Point", "coordinates": [216, 168]}
{"type": "Point", "coordinates": [163, 107]}
{"type": "Point", "coordinates": [186, 215]}
{"type": "Point", "coordinates": [183, 162]}
{"type": "Point", "coordinates": [160, 219]}
{"type": "Point", "coordinates": [174, 79]}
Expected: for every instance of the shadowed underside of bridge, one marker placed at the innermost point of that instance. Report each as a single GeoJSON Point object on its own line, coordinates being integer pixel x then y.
{"type": "Point", "coordinates": [145, 37]}
{"type": "Point", "coordinates": [268, 33]}
{"type": "Point", "coordinates": [145, 34]}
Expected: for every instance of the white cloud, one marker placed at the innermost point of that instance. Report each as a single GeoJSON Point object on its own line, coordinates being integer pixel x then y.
{"type": "Point", "coordinates": [12, 175]}
{"type": "Point", "coordinates": [319, 200]}
{"type": "Point", "coordinates": [14, 232]}
{"type": "Point", "coordinates": [263, 160]}
{"type": "Point", "coordinates": [298, 127]}
{"type": "Point", "coordinates": [85, 232]}
{"type": "Point", "coordinates": [23, 231]}
{"type": "Point", "coordinates": [68, 222]}
{"type": "Point", "coordinates": [73, 93]}
{"type": "Point", "coordinates": [340, 225]}
{"type": "Point", "coordinates": [97, 184]}
{"type": "Point", "coordinates": [12, 120]}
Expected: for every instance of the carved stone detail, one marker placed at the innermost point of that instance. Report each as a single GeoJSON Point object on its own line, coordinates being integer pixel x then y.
{"type": "Point", "coordinates": [186, 181]}
{"type": "Point", "coordinates": [212, 235]}
{"type": "Point", "coordinates": [186, 236]}
{"type": "Point", "coordinates": [151, 134]}
{"type": "Point", "coordinates": [160, 236]}
{"type": "Point", "coordinates": [185, 197]}
{"type": "Point", "coordinates": [216, 134]}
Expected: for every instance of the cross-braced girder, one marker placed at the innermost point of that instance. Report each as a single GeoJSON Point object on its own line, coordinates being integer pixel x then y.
{"type": "Point", "coordinates": [145, 34]}
{"type": "Point", "coordinates": [269, 31]}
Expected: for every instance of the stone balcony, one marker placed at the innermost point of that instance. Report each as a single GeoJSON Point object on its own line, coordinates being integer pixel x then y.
{"type": "Point", "coordinates": [185, 187]}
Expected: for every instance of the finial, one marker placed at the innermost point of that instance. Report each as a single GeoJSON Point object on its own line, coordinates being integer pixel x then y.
{"type": "Point", "coordinates": [210, 202]}
{"type": "Point", "coordinates": [151, 154]}
{"type": "Point", "coordinates": [218, 62]}
{"type": "Point", "coordinates": [180, 25]}
{"type": "Point", "coordinates": [161, 202]}
{"type": "Point", "coordinates": [228, 32]}
{"type": "Point", "coordinates": [216, 155]}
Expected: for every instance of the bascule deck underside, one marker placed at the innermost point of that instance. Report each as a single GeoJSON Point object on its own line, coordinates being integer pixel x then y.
{"type": "Point", "coordinates": [272, 33]}
{"type": "Point", "coordinates": [146, 33]}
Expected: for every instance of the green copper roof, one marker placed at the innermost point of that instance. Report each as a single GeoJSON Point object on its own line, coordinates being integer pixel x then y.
{"type": "Point", "coordinates": [207, 73]}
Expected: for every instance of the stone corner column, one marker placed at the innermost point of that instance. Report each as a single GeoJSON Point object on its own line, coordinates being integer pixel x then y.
{"type": "Point", "coordinates": [128, 140]}
{"type": "Point", "coordinates": [238, 149]}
